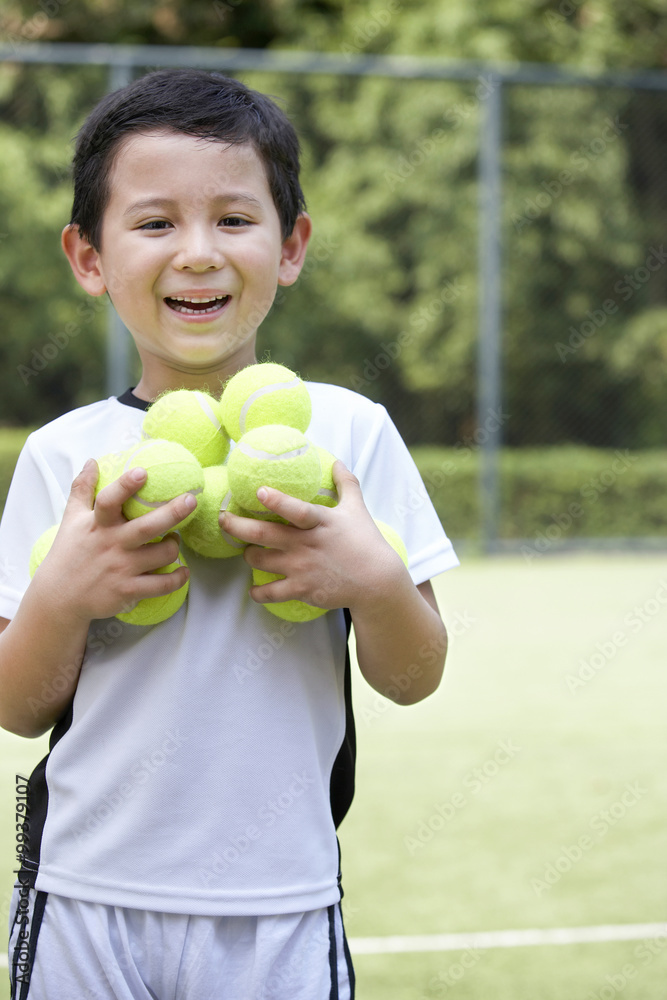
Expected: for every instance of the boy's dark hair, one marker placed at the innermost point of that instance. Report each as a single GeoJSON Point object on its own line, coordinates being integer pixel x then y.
{"type": "Point", "coordinates": [194, 102]}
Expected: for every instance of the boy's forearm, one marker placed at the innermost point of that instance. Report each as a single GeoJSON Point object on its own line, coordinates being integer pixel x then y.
{"type": "Point", "coordinates": [41, 652]}
{"type": "Point", "coordinates": [401, 642]}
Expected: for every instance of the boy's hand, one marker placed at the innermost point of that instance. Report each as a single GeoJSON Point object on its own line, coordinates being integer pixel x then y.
{"type": "Point", "coordinates": [330, 557]}
{"type": "Point", "coordinates": [100, 563]}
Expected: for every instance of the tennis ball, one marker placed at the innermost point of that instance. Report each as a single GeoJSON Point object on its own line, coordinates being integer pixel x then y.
{"type": "Point", "coordinates": [203, 533]}
{"type": "Point", "coordinates": [290, 611]}
{"type": "Point", "coordinates": [392, 536]}
{"type": "Point", "coordinates": [191, 418]}
{"type": "Point", "coordinates": [275, 456]}
{"type": "Point", "coordinates": [264, 394]}
{"type": "Point", "coordinates": [41, 547]}
{"type": "Point", "coordinates": [327, 495]}
{"type": "Point", "coordinates": [172, 470]}
{"type": "Point", "coordinates": [153, 610]}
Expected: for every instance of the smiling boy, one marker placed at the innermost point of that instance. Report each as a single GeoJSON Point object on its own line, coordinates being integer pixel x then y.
{"type": "Point", "coordinates": [182, 830]}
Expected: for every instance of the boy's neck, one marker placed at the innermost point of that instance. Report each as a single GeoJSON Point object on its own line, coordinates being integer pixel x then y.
{"type": "Point", "coordinates": [152, 385]}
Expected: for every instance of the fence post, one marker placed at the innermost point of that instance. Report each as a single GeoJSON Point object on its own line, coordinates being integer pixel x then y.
{"type": "Point", "coordinates": [118, 338]}
{"type": "Point", "coordinates": [489, 386]}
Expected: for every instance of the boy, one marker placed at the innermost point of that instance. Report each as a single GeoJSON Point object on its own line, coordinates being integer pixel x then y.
{"type": "Point", "coordinates": [182, 828]}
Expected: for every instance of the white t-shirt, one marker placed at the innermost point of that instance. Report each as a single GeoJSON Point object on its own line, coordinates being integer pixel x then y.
{"type": "Point", "coordinates": [193, 771]}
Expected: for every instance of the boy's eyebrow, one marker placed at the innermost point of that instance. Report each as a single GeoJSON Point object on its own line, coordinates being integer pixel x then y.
{"type": "Point", "coordinates": [235, 197]}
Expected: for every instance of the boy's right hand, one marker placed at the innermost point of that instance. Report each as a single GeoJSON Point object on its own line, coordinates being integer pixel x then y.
{"type": "Point", "coordinates": [100, 564]}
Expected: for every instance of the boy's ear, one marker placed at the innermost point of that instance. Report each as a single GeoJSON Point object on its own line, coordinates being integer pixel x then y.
{"type": "Point", "coordinates": [294, 250]}
{"type": "Point", "coordinates": [84, 260]}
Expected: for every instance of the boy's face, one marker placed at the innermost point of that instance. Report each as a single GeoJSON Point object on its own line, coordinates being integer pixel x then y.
{"type": "Point", "coordinates": [191, 254]}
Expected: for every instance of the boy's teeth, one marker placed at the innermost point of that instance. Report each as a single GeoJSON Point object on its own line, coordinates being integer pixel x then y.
{"type": "Point", "coordinates": [202, 303]}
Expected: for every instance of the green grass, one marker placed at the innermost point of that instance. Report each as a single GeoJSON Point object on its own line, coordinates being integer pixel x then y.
{"type": "Point", "coordinates": [518, 631]}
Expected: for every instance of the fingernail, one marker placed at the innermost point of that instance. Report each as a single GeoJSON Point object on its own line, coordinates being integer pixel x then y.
{"type": "Point", "coordinates": [262, 493]}
{"type": "Point", "coordinates": [137, 474]}
{"type": "Point", "coordinates": [88, 464]}
{"type": "Point", "coordinates": [190, 501]}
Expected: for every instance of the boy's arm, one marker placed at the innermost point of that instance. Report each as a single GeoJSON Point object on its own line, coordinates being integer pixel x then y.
{"type": "Point", "coordinates": [337, 557]}
{"type": "Point", "coordinates": [98, 565]}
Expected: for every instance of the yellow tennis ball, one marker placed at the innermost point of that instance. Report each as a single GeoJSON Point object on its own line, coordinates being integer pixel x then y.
{"type": "Point", "coordinates": [290, 611]}
{"type": "Point", "coordinates": [153, 610]}
{"type": "Point", "coordinates": [392, 536]}
{"type": "Point", "coordinates": [203, 533]}
{"type": "Point", "coordinates": [327, 494]}
{"type": "Point", "coordinates": [172, 470]}
{"type": "Point", "coordinates": [275, 456]}
{"type": "Point", "coordinates": [191, 418]}
{"type": "Point", "coordinates": [262, 394]}
{"type": "Point", "coordinates": [41, 547]}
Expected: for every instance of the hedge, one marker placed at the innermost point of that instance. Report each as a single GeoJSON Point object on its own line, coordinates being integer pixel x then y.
{"type": "Point", "coordinates": [572, 492]}
{"type": "Point", "coordinates": [582, 492]}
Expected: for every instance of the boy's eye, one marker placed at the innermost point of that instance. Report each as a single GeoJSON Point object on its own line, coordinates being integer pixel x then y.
{"type": "Point", "coordinates": [155, 225]}
{"type": "Point", "coordinates": [234, 221]}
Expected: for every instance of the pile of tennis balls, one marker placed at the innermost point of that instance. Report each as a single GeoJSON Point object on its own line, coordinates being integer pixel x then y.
{"type": "Point", "coordinates": [265, 410]}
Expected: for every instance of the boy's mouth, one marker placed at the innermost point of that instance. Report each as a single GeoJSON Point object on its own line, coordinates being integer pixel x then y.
{"type": "Point", "coordinates": [196, 305]}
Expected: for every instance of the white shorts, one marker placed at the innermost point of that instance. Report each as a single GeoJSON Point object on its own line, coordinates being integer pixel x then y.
{"type": "Point", "coordinates": [63, 948]}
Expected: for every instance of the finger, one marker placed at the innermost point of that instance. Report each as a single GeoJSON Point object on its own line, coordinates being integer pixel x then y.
{"type": "Point", "coordinates": [156, 555]}
{"type": "Point", "coordinates": [159, 522]}
{"type": "Point", "coordinates": [109, 501]}
{"type": "Point", "coordinates": [346, 483]}
{"type": "Point", "coordinates": [82, 491]}
{"type": "Point", "coordinates": [253, 530]}
{"type": "Point", "coordinates": [298, 512]}
{"type": "Point", "coordinates": [156, 585]}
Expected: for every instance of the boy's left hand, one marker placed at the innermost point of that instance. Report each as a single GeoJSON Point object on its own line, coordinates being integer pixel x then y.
{"type": "Point", "coordinates": [331, 557]}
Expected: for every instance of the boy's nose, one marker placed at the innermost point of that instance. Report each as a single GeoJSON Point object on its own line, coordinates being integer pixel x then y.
{"type": "Point", "coordinates": [198, 251]}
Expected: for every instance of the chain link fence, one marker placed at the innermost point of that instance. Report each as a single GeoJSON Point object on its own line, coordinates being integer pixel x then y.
{"type": "Point", "coordinates": [488, 261]}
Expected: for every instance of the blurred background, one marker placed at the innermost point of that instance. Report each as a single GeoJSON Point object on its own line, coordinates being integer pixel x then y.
{"type": "Point", "coordinates": [486, 183]}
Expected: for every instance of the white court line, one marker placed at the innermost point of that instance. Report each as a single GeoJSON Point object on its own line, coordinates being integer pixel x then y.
{"type": "Point", "coordinates": [505, 939]}
{"type": "Point", "coordinates": [497, 939]}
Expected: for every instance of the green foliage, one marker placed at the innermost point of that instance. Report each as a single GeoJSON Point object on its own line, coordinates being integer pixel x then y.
{"type": "Point", "coordinates": [551, 495]}
{"type": "Point", "coordinates": [388, 301]}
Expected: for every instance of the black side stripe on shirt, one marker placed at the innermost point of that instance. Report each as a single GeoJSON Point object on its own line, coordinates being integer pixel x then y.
{"type": "Point", "coordinates": [341, 785]}
{"type": "Point", "coordinates": [38, 804]}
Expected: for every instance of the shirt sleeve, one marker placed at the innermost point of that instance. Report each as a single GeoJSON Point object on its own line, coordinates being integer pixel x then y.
{"type": "Point", "coordinates": [394, 492]}
{"type": "Point", "coordinates": [34, 503]}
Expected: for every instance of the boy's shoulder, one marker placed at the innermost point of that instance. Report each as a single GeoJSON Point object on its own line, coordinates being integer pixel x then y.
{"type": "Point", "coordinates": [329, 394]}
{"type": "Point", "coordinates": [94, 425]}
